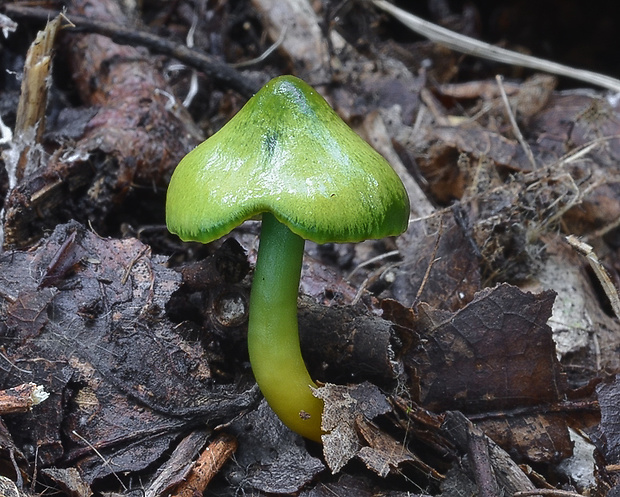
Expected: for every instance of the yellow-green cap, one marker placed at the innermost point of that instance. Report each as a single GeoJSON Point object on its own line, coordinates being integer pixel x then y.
{"type": "Point", "coordinates": [287, 152]}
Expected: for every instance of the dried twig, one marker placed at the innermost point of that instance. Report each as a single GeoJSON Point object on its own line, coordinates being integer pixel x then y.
{"type": "Point", "coordinates": [21, 398]}
{"type": "Point", "coordinates": [222, 73]}
{"type": "Point", "coordinates": [513, 123]}
{"type": "Point", "coordinates": [265, 54]}
{"type": "Point", "coordinates": [555, 492]}
{"type": "Point", "coordinates": [106, 462]}
{"type": "Point", "coordinates": [207, 465]}
{"type": "Point", "coordinates": [478, 451]}
{"type": "Point", "coordinates": [601, 273]}
{"type": "Point", "coordinates": [372, 260]}
{"type": "Point", "coordinates": [477, 48]}
{"type": "Point", "coordinates": [30, 118]}
{"type": "Point", "coordinates": [431, 262]}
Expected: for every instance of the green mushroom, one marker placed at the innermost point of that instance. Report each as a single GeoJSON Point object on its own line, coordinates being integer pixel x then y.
{"type": "Point", "coordinates": [288, 156]}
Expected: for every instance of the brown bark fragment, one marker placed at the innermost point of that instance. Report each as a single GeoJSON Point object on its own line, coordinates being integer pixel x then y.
{"type": "Point", "coordinates": [177, 467]}
{"type": "Point", "coordinates": [348, 342]}
{"type": "Point", "coordinates": [21, 398]}
{"type": "Point", "coordinates": [134, 122]}
{"type": "Point", "coordinates": [208, 465]}
{"type": "Point", "coordinates": [509, 476]}
{"type": "Point", "coordinates": [33, 99]}
{"type": "Point", "coordinates": [478, 452]}
{"type": "Point", "coordinates": [134, 140]}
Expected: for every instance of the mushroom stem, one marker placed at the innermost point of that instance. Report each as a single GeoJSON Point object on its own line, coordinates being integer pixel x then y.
{"type": "Point", "coordinates": [273, 336]}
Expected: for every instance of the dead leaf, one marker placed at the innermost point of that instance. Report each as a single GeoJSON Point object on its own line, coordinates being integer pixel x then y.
{"type": "Point", "coordinates": [383, 454]}
{"type": "Point", "coordinates": [270, 458]}
{"type": "Point", "coordinates": [448, 248]}
{"type": "Point", "coordinates": [609, 429]}
{"type": "Point", "coordinates": [480, 142]}
{"type": "Point", "coordinates": [495, 353]}
{"type": "Point", "coordinates": [121, 376]}
{"type": "Point", "coordinates": [69, 481]}
{"type": "Point", "coordinates": [539, 438]}
{"type": "Point", "coordinates": [355, 486]}
{"type": "Point", "coordinates": [343, 405]}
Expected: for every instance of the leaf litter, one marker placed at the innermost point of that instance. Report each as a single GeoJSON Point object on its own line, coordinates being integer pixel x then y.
{"type": "Point", "coordinates": [138, 350]}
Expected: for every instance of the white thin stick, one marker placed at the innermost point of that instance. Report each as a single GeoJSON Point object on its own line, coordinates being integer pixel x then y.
{"type": "Point", "coordinates": [477, 48]}
{"type": "Point", "coordinates": [193, 81]}
{"type": "Point", "coordinates": [106, 462]}
{"type": "Point", "coordinates": [513, 122]}
{"type": "Point", "coordinates": [265, 54]}
{"type": "Point", "coordinates": [372, 260]}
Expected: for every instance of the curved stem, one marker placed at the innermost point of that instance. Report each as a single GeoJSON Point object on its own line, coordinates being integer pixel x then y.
{"type": "Point", "coordinates": [273, 336]}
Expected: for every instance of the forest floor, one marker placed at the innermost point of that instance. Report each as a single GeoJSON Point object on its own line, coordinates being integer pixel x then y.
{"type": "Point", "coordinates": [475, 354]}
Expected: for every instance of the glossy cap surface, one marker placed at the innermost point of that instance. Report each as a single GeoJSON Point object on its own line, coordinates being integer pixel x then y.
{"type": "Point", "coordinates": [287, 152]}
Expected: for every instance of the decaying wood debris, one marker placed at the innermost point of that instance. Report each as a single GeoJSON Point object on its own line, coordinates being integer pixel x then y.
{"type": "Point", "coordinates": [476, 354]}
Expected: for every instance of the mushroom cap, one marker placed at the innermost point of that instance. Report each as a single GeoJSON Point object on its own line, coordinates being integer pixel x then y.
{"type": "Point", "coordinates": [287, 152]}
